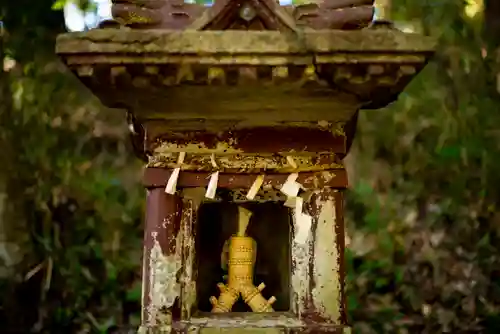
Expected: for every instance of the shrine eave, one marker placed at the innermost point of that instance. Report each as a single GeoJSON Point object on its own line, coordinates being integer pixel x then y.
{"type": "Point", "coordinates": [112, 46]}
{"type": "Point", "coordinates": [364, 68]}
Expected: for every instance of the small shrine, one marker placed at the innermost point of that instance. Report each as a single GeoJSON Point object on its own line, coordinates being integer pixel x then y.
{"type": "Point", "coordinates": [243, 112]}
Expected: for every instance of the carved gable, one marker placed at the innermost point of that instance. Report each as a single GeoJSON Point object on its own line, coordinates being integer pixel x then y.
{"type": "Point", "coordinates": [241, 15]}
{"type": "Point", "coordinates": [246, 15]}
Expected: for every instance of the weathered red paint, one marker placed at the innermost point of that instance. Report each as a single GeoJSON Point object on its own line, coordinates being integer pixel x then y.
{"type": "Point", "coordinates": [158, 177]}
{"type": "Point", "coordinates": [340, 232]}
{"type": "Point", "coordinates": [311, 313]}
{"type": "Point", "coordinates": [256, 139]}
{"type": "Point", "coordinates": [189, 270]}
{"type": "Point", "coordinates": [162, 223]}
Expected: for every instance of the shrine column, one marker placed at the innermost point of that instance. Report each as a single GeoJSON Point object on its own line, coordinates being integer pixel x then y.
{"type": "Point", "coordinates": [318, 273]}
{"type": "Point", "coordinates": [161, 258]}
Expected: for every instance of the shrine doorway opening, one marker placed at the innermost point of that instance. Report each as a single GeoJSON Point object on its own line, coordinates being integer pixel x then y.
{"type": "Point", "coordinates": [270, 227]}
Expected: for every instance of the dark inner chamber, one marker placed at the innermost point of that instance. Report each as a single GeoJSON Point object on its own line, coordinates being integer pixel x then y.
{"type": "Point", "coordinates": [269, 226]}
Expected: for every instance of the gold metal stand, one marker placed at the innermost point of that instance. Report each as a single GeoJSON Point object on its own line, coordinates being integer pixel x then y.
{"type": "Point", "coordinates": [240, 282]}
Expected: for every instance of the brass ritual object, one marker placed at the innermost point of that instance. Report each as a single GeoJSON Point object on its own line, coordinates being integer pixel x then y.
{"type": "Point", "coordinates": [242, 254]}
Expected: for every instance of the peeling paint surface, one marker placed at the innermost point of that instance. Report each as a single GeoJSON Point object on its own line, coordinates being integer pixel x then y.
{"type": "Point", "coordinates": [327, 290]}
{"type": "Point", "coordinates": [300, 269]}
{"type": "Point", "coordinates": [196, 195]}
{"type": "Point", "coordinates": [192, 198]}
{"type": "Point", "coordinates": [163, 285]}
{"type": "Point", "coordinates": [202, 161]}
{"type": "Point", "coordinates": [315, 282]}
{"type": "Point", "coordinates": [187, 278]}
{"type": "Point", "coordinates": [144, 283]}
{"type": "Point", "coordinates": [197, 147]}
{"type": "Point", "coordinates": [303, 223]}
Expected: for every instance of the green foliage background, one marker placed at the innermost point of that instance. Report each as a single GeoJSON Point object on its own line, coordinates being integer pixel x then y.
{"type": "Point", "coordinates": [423, 219]}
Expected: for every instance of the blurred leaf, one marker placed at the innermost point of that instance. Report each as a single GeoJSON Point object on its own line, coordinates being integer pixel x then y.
{"type": "Point", "coordinates": [59, 4]}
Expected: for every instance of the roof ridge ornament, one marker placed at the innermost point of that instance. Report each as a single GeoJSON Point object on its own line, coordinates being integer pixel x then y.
{"type": "Point", "coordinates": [242, 15]}
{"type": "Point", "coordinates": [225, 14]}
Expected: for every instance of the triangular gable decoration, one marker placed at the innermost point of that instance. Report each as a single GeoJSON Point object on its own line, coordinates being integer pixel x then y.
{"type": "Point", "coordinates": [246, 15]}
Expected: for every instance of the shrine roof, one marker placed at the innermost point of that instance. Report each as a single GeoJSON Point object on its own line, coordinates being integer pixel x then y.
{"type": "Point", "coordinates": [250, 59]}
{"type": "Point", "coordinates": [375, 41]}
{"type": "Point", "coordinates": [250, 14]}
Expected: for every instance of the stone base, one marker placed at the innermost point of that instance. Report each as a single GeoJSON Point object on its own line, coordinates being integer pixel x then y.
{"type": "Point", "coordinates": [213, 328]}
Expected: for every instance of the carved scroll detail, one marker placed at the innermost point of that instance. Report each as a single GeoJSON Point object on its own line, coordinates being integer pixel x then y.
{"type": "Point", "coordinates": [335, 14]}
{"type": "Point", "coordinates": [155, 14]}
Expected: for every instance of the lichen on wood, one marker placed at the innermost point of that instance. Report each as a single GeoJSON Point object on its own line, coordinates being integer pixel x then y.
{"type": "Point", "coordinates": [246, 163]}
{"type": "Point", "coordinates": [164, 288]}
{"type": "Point", "coordinates": [239, 42]}
{"type": "Point", "coordinates": [300, 269]}
{"type": "Point", "coordinates": [327, 289]}
{"type": "Point", "coordinates": [317, 282]}
{"type": "Point", "coordinates": [192, 199]}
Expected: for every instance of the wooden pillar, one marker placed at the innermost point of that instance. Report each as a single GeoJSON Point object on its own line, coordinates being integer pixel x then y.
{"type": "Point", "coordinates": [318, 272]}
{"type": "Point", "coordinates": [191, 200]}
{"type": "Point", "coordinates": [341, 231]}
{"type": "Point", "coordinates": [161, 259]}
